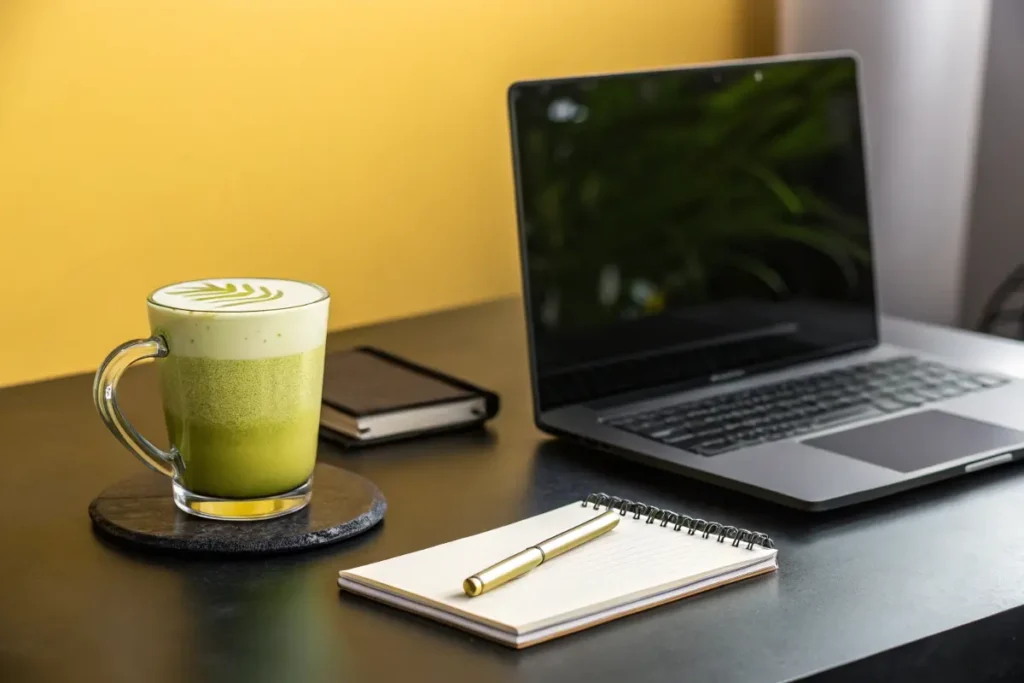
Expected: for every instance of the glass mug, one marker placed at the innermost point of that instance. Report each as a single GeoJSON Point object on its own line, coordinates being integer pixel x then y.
{"type": "Point", "coordinates": [241, 365]}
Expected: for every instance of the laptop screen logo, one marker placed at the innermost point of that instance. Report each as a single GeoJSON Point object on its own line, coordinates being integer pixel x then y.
{"type": "Point", "coordinates": [726, 376]}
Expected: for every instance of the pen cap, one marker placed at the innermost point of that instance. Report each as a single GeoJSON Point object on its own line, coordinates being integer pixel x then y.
{"type": "Point", "coordinates": [578, 535]}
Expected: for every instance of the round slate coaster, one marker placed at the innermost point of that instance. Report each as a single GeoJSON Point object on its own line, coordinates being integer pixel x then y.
{"type": "Point", "coordinates": [139, 510]}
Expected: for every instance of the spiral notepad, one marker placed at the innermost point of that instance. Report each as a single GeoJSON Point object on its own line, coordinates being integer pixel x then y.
{"type": "Point", "coordinates": [652, 557]}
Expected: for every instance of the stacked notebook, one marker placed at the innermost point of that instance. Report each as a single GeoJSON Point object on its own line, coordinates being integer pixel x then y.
{"type": "Point", "coordinates": [372, 396]}
{"type": "Point", "coordinates": [650, 558]}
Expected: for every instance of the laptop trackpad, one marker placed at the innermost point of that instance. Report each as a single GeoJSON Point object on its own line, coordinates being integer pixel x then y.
{"type": "Point", "coordinates": [919, 440]}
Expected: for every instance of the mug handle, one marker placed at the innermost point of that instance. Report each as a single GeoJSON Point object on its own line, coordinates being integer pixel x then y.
{"type": "Point", "coordinates": [104, 394]}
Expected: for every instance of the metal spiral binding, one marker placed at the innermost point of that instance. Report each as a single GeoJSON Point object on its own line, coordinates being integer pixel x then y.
{"type": "Point", "coordinates": [679, 522]}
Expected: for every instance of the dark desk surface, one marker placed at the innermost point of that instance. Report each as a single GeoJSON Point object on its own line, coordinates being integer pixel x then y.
{"type": "Point", "coordinates": [923, 586]}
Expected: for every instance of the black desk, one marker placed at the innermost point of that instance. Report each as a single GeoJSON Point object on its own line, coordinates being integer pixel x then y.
{"type": "Point", "coordinates": [925, 586]}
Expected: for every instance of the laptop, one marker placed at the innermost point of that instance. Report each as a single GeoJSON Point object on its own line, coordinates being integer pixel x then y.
{"type": "Point", "coordinates": [700, 291]}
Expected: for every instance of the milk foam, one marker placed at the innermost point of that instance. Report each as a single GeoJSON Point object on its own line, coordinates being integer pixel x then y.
{"type": "Point", "coordinates": [241, 295]}
{"type": "Point", "coordinates": [188, 317]}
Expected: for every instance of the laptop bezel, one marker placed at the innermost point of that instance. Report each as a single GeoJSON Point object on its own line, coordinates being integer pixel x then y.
{"type": "Point", "coordinates": [662, 389]}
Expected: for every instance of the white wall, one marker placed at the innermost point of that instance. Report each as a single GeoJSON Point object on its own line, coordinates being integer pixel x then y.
{"type": "Point", "coordinates": [997, 221]}
{"type": "Point", "coordinates": [923, 66]}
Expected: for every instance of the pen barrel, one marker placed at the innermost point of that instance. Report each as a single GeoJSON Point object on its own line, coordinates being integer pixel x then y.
{"type": "Point", "coordinates": [578, 535]}
{"type": "Point", "coordinates": [522, 562]}
{"type": "Point", "coordinates": [503, 572]}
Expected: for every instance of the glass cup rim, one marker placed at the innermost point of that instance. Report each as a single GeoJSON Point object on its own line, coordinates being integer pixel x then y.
{"type": "Point", "coordinates": [324, 296]}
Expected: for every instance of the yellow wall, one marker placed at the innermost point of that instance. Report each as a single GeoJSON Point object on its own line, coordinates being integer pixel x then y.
{"type": "Point", "coordinates": [143, 142]}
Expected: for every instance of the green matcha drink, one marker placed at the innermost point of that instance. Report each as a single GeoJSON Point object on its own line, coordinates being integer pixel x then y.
{"type": "Point", "coordinates": [241, 382]}
{"type": "Point", "coordinates": [244, 428]}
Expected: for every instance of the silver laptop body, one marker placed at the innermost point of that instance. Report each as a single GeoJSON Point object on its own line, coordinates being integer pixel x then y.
{"type": "Point", "coordinates": [696, 256]}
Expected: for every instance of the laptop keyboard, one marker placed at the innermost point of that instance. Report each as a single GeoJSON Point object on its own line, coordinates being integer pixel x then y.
{"type": "Point", "coordinates": [812, 403]}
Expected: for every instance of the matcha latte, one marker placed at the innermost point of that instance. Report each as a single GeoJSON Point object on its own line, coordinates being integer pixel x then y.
{"type": "Point", "coordinates": [241, 382]}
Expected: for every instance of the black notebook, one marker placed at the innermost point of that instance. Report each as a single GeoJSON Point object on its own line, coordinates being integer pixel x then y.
{"type": "Point", "coordinates": [371, 396]}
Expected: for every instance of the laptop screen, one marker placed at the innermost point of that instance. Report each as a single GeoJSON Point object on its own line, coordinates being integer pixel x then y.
{"type": "Point", "coordinates": [684, 227]}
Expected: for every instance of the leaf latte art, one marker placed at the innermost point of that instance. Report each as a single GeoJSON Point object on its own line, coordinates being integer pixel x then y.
{"type": "Point", "coordinates": [228, 295]}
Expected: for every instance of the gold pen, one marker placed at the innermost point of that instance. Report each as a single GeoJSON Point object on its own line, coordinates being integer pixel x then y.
{"type": "Point", "coordinates": [522, 562]}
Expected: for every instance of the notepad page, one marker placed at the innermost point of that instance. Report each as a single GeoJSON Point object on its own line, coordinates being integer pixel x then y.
{"type": "Point", "coordinates": [633, 561]}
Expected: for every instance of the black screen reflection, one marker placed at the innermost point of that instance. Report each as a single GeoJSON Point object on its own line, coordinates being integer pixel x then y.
{"type": "Point", "coordinates": [679, 225]}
